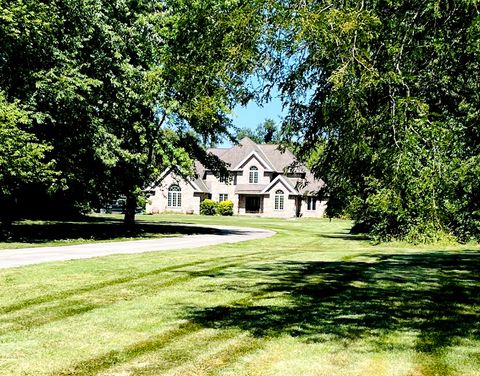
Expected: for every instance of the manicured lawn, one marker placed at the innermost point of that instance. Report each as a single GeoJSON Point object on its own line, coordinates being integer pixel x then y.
{"type": "Point", "coordinates": [91, 229]}
{"type": "Point", "coordinates": [312, 300]}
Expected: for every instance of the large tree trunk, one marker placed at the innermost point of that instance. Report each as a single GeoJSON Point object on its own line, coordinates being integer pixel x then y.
{"type": "Point", "coordinates": [130, 207]}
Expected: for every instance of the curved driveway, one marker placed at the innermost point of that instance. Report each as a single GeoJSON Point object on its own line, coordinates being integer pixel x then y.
{"type": "Point", "coordinates": [223, 234]}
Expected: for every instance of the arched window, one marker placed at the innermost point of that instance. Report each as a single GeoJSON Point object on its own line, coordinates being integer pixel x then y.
{"type": "Point", "coordinates": [253, 177]}
{"type": "Point", "coordinates": [279, 200]}
{"type": "Point", "coordinates": [174, 196]}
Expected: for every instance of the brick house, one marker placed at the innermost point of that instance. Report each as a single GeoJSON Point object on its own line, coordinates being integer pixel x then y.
{"type": "Point", "coordinates": [262, 181]}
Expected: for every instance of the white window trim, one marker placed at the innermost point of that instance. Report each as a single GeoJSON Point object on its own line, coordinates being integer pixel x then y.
{"type": "Point", "coordinates": [253, 175]}
{"type": "Point", "coordinates": [280, 204]}
{"type": "Point", "coordinates": [174, 197]}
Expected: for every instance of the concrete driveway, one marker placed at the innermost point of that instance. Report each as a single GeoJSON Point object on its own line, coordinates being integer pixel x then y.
{"type": "Point", "coordinates": [27, 256]}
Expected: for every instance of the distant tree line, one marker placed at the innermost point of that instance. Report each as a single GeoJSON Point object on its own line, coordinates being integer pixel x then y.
{"type": "Point", "coordinates": [267, 132]}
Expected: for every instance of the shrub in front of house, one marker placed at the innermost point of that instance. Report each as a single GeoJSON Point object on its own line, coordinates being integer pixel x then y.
{"type": "Point", "coordinates": [208, 207]}
{"type": "Point", "coordinates": [225, 208]}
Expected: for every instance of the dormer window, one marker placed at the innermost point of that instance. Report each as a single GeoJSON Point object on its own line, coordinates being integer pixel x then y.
{"type": "Point", "coordinates": [253, 177]}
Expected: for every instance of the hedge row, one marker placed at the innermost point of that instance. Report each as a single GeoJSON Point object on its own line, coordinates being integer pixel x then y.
{"type": "Point", "coordinates": [211, 207]}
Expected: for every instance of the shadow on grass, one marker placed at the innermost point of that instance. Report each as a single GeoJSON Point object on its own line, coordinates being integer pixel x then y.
{"type": "Point", "coordinates": [435, 296]}
{"type": "Point", "coordinates": [43, 232]}
{"type": "Point", "coordinates": [344, 236]}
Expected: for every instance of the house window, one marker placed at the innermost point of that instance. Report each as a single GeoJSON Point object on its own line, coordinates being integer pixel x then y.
{"type": "Point", "coordinates": [174, 196]}
{"type": "Point", "coordinates": [222, 197]}
{"type": "Point", "coordinates": [311, 203]}
{"type": "Point", "coordinates": [253, 177]}
{"type": "Point", "coordinates": [279, 200]}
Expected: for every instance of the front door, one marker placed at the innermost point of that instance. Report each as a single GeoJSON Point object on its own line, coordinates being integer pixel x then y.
{"type": "Point", "coordinates": [252, 204]}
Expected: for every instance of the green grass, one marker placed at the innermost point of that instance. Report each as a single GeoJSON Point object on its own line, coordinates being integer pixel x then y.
{"type": "Point", "coordinates": [41, 233]}
{"type": "Point", "coordinates": [312, 300]}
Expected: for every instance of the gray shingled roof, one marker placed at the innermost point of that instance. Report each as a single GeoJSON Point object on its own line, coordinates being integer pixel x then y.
{"type": "Point", "coordinates": [250, 188]}
{"type": "Point", "coordinates": [238, 153]}
{"type": "Point", "coordinates": [309, 185]}
{"type": "Point", "coordinates": [201, 184]}
{"type": "Point", "coordinates": [218, 151]}
{"type": "Point", "coordinates": [278, 160]}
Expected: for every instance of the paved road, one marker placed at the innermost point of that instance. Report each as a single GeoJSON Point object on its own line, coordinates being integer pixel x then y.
{"type": "Point", "coordinates": [27, 256]}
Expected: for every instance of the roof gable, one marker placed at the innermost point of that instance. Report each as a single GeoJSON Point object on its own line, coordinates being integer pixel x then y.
{"type": "Point", "coordinates": [251, 156]}
{"type": "Point", "coordinates": [272, 158]}
{"type": "Point", "coordinates": [187, 179]}
{"type": "Point", "coordinates": [237, 154]}
{"type": "Point", "coordinates": [281, 180]}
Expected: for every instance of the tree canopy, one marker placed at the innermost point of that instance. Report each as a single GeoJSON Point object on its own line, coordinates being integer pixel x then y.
{"type": "Point", "coordinates": [122, 90]}
{"type": "Point", "coordinates": [22, 157]}
{"type": "Point", "coordinates": [267, 132]}
{"type": "Point", "coordinates": [386, 94]}
{"type": "Point", "coordinates": [383, 100]}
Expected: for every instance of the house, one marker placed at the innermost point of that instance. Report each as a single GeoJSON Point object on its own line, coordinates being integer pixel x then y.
{"type": "Point", "coordinates": [263, 180]}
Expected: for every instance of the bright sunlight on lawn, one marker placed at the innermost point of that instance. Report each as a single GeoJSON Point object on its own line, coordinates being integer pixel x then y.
{"type": "Point", "coordinates": [311, 300]}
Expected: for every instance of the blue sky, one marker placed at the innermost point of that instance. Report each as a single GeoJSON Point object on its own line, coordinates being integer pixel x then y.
{"type": "Point", "coordinates": [252, 114]}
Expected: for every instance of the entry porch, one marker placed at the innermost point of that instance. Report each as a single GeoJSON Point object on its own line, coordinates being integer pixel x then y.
{"type": "Point", "coordinates": [251, 204]}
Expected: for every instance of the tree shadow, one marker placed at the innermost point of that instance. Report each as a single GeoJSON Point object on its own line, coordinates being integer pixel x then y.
{"type": "Point", "coordinates": [42, 232]}
{"type": "Point", "coordinates": [434, 295]}
{"type": "Point", "coordinates": [345, 236]}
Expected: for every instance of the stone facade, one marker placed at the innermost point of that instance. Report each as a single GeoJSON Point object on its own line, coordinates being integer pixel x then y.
{"type": "Point", "coordinates": [190, 200]}
{"type": "Point", "coordinates": [262, 181]}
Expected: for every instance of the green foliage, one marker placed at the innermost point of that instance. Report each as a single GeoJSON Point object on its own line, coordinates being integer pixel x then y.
{"type": "Point", "coordinates": [225, 208]}
{"type": "Point", "coordinates": [122, 90]}
{"type": "Point", "coordinates": [22, 156]}
{"type": "Point", "coordinates": [265, 133]}
{"type": "Point", "coordinates": [250, 133]}
{"type": "Point", "coordinates": [211, 207]}
{"type": "Point", "coordinates": [384, 98]}
{"type": "Point", "coordinates": [208, 207]}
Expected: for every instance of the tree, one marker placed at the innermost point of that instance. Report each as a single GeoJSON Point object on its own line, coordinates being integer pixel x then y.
{"type": "Point", "coordinates": [22, 157]}
{"type": "Point", "coordinates": [390, 93]}
{"type": "Point", "coordinates": [266, 132]}
{"type": "Point", "coordinates": [271, 132]}
{"type": "Point", "coordinates": [105, 84]}
{"type": "Point", "coordinates": [250, 133]}
{"type": "Point", "coordinates": [195, 76]}
{"type": "Point", "coordinates": [45, 50]}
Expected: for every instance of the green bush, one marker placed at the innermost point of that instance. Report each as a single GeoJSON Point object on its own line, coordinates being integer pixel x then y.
{"type": "Point", "coordinates": [225, 208]}
{"type": "Point", "coordinates": [208, 207]}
